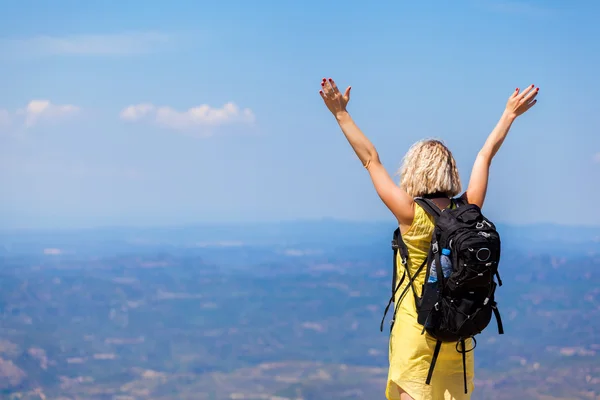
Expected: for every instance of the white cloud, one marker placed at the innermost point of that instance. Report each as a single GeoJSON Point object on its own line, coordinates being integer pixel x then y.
{"type": "Point", "coordinates": [35, 112]}
{"type": "Point", "coordinates": [102, 44]}
{"type": "Point", "coordinates": [203, 117]}
{"type": "Point", "coordinates": [136, 112]}
{"type": "Point", "coordinates": [38, 110]}
{"type": "Point", "coordinates": [596, 157]}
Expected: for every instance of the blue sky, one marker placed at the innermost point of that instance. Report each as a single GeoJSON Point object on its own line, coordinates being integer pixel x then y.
{"type": "Point", "coordinates": [149, 113]}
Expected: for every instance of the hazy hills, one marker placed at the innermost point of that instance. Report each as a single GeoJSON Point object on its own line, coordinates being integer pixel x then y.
{"type": "Point", "coordinates": [323, 234]}
{"type": "Point", "coordinates": [285, 311]}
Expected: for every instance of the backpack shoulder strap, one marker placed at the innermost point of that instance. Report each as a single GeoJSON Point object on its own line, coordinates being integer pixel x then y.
{"type": "Point", "coordinates": [459, 201]}
{"type": "Point", "coordinates": [398, 244]}
{"type": "Point", "coordinates": [429, 206]}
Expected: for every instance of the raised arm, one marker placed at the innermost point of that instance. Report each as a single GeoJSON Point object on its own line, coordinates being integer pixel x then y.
{"type": "Point", "coordinates": [518, 103]}
{"type": "Point", "coordinates": [396, 199]}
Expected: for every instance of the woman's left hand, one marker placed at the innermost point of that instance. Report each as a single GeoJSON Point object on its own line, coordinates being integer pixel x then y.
{"type": "Point", "coordinates": [335, 101]}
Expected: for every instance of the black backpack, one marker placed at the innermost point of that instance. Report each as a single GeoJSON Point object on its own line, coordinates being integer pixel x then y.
{"type": "Point", "coordinates": [460, 305]}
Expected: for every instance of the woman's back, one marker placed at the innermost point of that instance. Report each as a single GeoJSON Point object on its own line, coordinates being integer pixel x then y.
{"type": "Point", "coordinates": [410, 349]}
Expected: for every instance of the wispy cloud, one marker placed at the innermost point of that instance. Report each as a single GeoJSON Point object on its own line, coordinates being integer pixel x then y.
{"type": "Point", "coordinates": [99, 45]}
{"type": "Point", "coordinates": [200, 120]}
{"type": "Point", "coordinates": [137, 111]}
{"type": "Point", "coordinates": [36, 112]}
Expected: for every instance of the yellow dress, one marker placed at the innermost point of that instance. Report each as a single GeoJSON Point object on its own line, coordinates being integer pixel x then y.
{"type": "Point", "coordinates": [410, 352]}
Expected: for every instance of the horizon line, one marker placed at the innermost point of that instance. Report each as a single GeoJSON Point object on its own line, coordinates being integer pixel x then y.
{"type": "Point", "coordinates": [232, 224]}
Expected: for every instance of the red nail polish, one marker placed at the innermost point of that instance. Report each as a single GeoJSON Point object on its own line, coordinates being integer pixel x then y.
{"type": "Point", "coordinates": [517, 89]}
{"type": "Point", "coordinates": [537, 90]}
{"type": "Point", "coordinates": [322, 84]}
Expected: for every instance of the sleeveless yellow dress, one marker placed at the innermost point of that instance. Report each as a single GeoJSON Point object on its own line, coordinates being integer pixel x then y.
{"type": "Point", "coordinates": [410, 352]}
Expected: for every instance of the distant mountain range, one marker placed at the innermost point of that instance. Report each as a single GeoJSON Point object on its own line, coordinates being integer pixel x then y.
{"type": "Point", "coordinates": [283, 311]}
{"type": "Point", "coordinates": [313, 234]}
{"type": "Point", "coordinates": [286, 311]}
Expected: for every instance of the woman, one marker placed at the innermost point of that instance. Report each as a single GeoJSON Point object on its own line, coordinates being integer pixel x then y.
{"type": "Point", "coordinates": [428, 169]}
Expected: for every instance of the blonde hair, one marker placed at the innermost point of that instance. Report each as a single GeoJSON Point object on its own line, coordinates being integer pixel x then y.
{"type": "Point", "coordinates": [429, 167]}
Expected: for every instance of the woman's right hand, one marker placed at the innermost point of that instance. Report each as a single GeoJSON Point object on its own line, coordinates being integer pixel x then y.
{"type": "Point", "coordinates": [334, 100]}
{"type": "Point", "coordinates": [519, 103]}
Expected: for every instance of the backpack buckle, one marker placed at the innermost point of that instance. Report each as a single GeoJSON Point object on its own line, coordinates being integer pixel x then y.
{"type": "Point", "coordinates": [394, 245]}
{"type": "Point", "coordinates": [434, 247]}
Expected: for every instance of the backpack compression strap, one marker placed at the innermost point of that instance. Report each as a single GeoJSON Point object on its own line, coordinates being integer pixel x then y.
{"type": "Point", "coordinates": [436, 352]}
{"type": "Point", "coordinates": [463, 351]}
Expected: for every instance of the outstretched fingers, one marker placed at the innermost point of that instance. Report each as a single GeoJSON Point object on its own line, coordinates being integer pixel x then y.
{"type": "Point", "coordinates": [529, 104]}
{"type": "Point", "coordinates": [323, 91]}
{"type": "Point", "coordinates": [333, 86]}
{"type": "Point", "coordinates": [347, 92]}
{"type": "Point", "coordinates": [531, 95]}
{"type": "Point", "coordinates": [525, 92]}
{"type": "Point", "coordinates": [525, 99]}
{"type": "Point", "coordinates": [327, 88]}
{"type": "Point", "coordinates": [322, 95]}
{"type": "Point", "coordinates": [334, 100]}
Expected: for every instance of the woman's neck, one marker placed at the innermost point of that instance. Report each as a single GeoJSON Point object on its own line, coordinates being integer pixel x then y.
{"type": "Point", "coordinates": [436, 195]}
{"type": "Point", "coordinates": [440, 199]}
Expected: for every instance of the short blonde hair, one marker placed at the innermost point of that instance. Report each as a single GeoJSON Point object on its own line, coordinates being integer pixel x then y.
{"type": "Point", "coordinates": [429, 167]}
